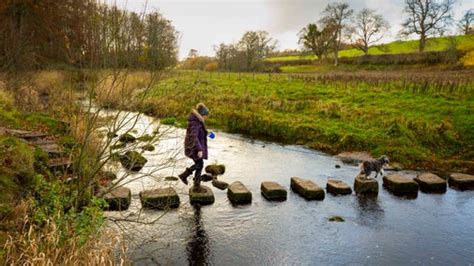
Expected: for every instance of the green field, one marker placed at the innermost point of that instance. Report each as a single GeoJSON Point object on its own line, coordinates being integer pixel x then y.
{"type": "Point", "coordinates": [397, 47]}
{"type": "Point", "coordinates": [416, 127]}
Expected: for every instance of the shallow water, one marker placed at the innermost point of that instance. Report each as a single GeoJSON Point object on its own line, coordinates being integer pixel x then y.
{"type": "Point", "coordinates": [431, 229]}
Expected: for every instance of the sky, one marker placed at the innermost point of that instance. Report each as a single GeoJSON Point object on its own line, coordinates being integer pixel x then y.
{"type": "Point", "coordinates": [205, 24]}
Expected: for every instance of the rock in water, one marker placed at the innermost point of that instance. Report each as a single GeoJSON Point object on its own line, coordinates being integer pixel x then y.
{"type": "Point", "coordinates": [171, 178]}
{"type": "Point", "coordinates": [203, 197]}
{"type": "Point", "coordinates": [118, 199]}
{"type": "Point", "coordinates": [307, 189]}
{"type": "Point", "coordinates": [148, 147]}
{"type": "Point", "coordinates": [215, 169]}
{"type": "Point", "coordinates": [273, 191]}
{"type": "Point", "coordinates": [133, 161]}
{"type": "Point", "coordinates": [461, 181]}
{"type": "Point", "coordinates": [127, 138]}
{"type": "Point", "coordinates": [400, 185]}
{"type": "Point", "coordinates": [337, 187]}
{"type": "Point", "coordinates": [431, 183]}
{"type": "Point", "coordinates": [219, 184]}
{"type": "Point", "coordinates": [239, 194]}
{"type": "Point", "coordinates": [366, 186]}
{"type": "Point", "coordinates": [336, 219]}
{"type": "Point", "coordinates": [161, 198]}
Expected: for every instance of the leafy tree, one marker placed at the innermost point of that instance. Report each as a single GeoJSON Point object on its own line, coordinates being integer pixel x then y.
{"type": "Point", "coordinates": [256, 45]}
{"type": "Point", "coordinates": [369, 28]}
{"type": "Point", "coordinates": [426, 18]}
{"type": "Point", "coordinates": [315, 40]}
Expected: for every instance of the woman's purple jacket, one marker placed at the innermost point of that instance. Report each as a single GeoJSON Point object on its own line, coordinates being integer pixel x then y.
{"type": "Point", "coordinates": [196, 137]}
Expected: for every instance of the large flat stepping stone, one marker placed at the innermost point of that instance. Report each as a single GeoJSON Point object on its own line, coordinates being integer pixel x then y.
{"type": "Point", "coordinates": [118, 199]}
{"type": "Point", "coordinates": [307, 189]}
{"type": "Point", "coordinates": [431, 183]}
{"type": "Point", "coordinates": [461, 181]}
{"type": "Point", "coordinates": [338, 187]}
{"type": "Point", "coordinates": [367, 186]}
{"type": "Point", "coordinates": [204, 196]}
{"type": "Point", "coordinates": [400, 185]}
{"type": "Point", "coordinates": [238, 193]}
{"type": "Point", "coordinates": [160, 198]}
{"type": "Point", "coordinates": [273, 191]}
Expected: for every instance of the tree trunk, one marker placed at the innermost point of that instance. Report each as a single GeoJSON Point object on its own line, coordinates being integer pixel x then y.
{"type": "Point", "coordinates": [422, 42]}
{"type": "Point", "coordinates": [336, 59]}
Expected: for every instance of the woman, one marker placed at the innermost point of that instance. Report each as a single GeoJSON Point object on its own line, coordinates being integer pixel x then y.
{"type": "Point", "coordinates": [195, 144]}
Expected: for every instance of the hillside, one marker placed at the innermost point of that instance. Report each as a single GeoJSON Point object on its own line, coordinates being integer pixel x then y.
{"type": "Point", "coordinates": [464, 42]}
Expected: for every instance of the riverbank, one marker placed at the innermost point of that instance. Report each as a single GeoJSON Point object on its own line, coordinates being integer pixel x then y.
{"type": "Point", "coordinates": [421, 120]}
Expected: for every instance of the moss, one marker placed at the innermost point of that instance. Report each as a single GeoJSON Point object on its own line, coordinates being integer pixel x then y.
{"type": "Point", "coordinates": [168, 121]}
{"type": "Point", "coordinates": [145, 138]}
{"type": "Point", "coordinates": [133, 161]}
{"type": "Point", "coordinates": [127, 138]}
{"type": "Point", "coordinates": [148, 147]}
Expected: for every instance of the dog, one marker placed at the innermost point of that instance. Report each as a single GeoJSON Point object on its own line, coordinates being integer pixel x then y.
{"type": "Point", "coordinates": [367, 167]}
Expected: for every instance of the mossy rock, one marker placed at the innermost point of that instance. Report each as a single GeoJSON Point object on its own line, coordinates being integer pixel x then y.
{"type": "Point", "coordinates": [118, 145]}
{"type": "Point", "coordinates": [127, 138]}
{"type": "Point", "coordinates": [145, 138]}
{"type": "Point", "coordinates": [148, 147]}
{"type": "Point", "coordinates": [133, 161]}
{"type": "Point", "coordinates": [431, 183]}
{"type": "Point", "coordinates": [171, 178]}
{"type": "Point", "coordinates": [219, 184]}
{"type": "Point", "coordinates": [366, 186]}
{"type": "Point", "coordinates": [161, 198]}
{"type": "Point", "coordinates": [461, 181]}
{"type": "Point", "coordinates": [215, 169]}
{"type": "Point", "coordinates": [336, 219]}
{"type": "Point", "coordinates": [338, 187]}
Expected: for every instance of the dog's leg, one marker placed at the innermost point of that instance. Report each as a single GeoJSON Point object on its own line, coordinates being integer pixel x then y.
{"type": "Point", "coordinates": [383, 173]}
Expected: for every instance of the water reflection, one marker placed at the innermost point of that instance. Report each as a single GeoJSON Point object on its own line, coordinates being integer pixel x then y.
{"type": "Point", "coordinates": [369, 212]}
{"type": "Point", "coordinates": [198, 246]}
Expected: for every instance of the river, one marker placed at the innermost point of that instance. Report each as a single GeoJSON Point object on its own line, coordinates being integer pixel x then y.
{"type": "Point", "coordinates": [429, 230]}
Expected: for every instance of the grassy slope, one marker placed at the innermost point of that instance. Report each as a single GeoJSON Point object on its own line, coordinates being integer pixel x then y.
{"type": "Point", "coordinates": [385, 119]}
{"type": "Point", "coordinates": [397, 47]}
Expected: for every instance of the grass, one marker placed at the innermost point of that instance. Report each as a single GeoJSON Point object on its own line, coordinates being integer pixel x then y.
{"type": "Point", "coordinates": [418, 126]}
{"type": "Point", "coordinates": [398, 47]}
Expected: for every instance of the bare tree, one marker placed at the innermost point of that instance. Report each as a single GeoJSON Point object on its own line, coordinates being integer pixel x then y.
{"type": "Point", "coordinates": [318, 41]}
{"type": "Point", "coordinates": [369, 28]}
{"type": "Point", "coordinates": [426, 17]}
{"type": "Point", "coordinates": [256, 45]}
{"type": "Point", "coordinates": [465, 24]}
{"type": "Point", "coordinates": [337, 15]}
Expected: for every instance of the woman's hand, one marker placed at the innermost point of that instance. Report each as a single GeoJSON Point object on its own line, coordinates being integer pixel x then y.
{"type": "Point", "coordinates": [200, 154]}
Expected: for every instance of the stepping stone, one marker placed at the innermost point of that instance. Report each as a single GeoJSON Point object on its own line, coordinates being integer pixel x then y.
{"type": "Point", "coordinates": [431, 183]}
{"type": "Point", "coordinates": [203, 197]}
{"type": "Point", "coordinates": [118, 199]}
{"type": "Point", "coordinates": [461, 181]}
{"type": "Point", "coordinates": [307, 189]}
{"type": "Point", "coordinates": [215, 169]}
{"type": "Point", "coordinates": [366, 186]}
{"type": "Point", "coordinates": [238, 193]}
{"type": "Point", "coordinates": [337, 187]}
{"type": "Point", "coordinates": [273, 191]}
{"type": "Point", "coordinates": [400, 185]}
{"type": "Point", "coordinates": [133, 161]}
{"type": "Point", "coordinates": [160, 198]}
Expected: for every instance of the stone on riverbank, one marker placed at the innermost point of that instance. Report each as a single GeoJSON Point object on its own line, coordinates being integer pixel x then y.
{"type": "Point", "coordinates": [204, 196]}
{"type": "Point", "coordinates": [307, 189]}
{"type": "Point", "coordinates": [160, 198]}
{"type": "Point", "coordinates": [273, 191]}
{"type": "Point", "coordinates": [461, 181]}
{"type": "Point", "coordinates": [239, 194]}
{"type": "Point", "coordinates": [337, 187]}
{"type": "Point", "coordinates": [400, 185]}
{"type": "Point", "coordinates": [368, 186]}
{"type": "Point", "coordinates": [431, 183]}
{"type": "Point", "coordinates": [171, 178]}
{"type": "Point", "coordinates": [215, 169]}
{"type": "Point", "coordinates": [118, 199]}
{"type": "Point", "coordinates": [127, 138]}
{"type": "Point", "coordinates": [354, 157]}
{"type": "Point", "coordinates": [133, 161]}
